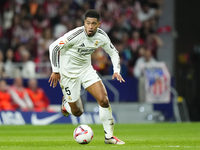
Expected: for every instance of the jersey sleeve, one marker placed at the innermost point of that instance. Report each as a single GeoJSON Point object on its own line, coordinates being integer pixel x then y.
{"type": "Point", "coordinates": [62, 43]}
{"type": "Point", "coordinates": [113, 53]}
{"type": "Point", "coordinates": [54, 49]}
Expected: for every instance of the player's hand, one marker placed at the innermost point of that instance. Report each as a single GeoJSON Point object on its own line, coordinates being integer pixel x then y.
{"type": "Point", "coordinates": [118, 77]}
{"type": "Point", "coordinates": [54, 78]}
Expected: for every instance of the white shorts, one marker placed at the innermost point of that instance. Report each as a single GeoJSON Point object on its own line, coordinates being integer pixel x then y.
{"type": "Point", "coordinates": [71, 87]}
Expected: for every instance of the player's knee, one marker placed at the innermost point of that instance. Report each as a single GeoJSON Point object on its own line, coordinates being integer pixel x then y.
{"type": "Point", "coordinates": [77, 113]}
{"type": "Point", "coordinates": [104, 102]}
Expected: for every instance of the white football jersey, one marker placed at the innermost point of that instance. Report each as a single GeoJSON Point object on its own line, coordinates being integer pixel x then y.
{"type": "Point", "coordinates": [71, 54]}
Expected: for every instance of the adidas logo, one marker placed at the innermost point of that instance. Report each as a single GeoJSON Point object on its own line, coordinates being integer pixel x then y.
{"type": "Point", "coordinates": [82, 45]}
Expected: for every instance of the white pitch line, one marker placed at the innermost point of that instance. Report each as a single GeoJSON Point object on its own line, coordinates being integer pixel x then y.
{"type": "Point", "coordinates": [174, 146]}
{"type": "Point", "coordinates": [29, 140]}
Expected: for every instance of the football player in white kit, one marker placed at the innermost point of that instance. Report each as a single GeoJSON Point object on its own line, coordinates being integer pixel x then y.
{"type": "Point", "coordinates": [70, 57]}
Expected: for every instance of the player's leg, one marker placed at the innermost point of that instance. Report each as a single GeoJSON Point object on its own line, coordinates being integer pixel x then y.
{"type": "Point", "coordinates": [74, 108]}
{"type": "Point", "coordinates": [93, 84]}
{"type": "Point", "coordinates": [71, 102]}
{"type": "Point", "coordinates": [98, 91]}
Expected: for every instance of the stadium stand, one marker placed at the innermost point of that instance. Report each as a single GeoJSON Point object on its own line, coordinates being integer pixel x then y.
{"type": "Point", "coordinates": [28, 27]}
{"type": "Point", "coordinates": [33, 25]}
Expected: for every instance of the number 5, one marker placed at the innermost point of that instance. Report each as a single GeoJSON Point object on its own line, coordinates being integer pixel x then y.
{"type": "Point", "coordinates": [67, 91]}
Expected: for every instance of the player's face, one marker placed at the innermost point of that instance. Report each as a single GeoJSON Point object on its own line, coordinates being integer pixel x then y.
{"type": "Point", "coordinates": [91, 25]}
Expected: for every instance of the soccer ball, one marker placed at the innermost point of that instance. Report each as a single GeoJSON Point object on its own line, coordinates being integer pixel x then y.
{"type": "Point", "coordinates": [83, 134]}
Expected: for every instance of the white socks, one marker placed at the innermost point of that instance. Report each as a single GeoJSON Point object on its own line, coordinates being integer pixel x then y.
{"type": "Point", "coordinates": [67, 107]}
{"type": "Point", "coordinates": [105, 115]}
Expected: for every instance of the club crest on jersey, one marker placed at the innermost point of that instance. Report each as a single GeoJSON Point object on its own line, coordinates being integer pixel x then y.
{"type": "Point", "coordinates": [96, 43]}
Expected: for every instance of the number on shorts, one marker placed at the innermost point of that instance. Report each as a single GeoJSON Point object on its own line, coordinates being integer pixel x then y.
{"type": "Point", "coordinates": [67, 91]}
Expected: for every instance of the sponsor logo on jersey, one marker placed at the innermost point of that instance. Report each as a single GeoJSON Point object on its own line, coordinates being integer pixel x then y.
{"type": "Point", "coordinates": [85, 51]}
{"type": "Point", "coordinates": [96, 43]}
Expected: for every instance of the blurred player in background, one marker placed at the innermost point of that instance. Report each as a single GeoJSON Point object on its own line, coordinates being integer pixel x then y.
{"type": "Point", "coordinates": [70, 57]}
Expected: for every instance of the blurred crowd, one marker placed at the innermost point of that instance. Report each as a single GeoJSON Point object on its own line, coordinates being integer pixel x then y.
{"type": "Point", "coordinates": [19, 97]}
{"type": "Point", "coordinates": [28, 27]}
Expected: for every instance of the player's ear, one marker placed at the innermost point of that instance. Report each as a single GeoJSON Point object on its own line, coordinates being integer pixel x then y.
{"type": "Point", "coordinates": [99, 24]}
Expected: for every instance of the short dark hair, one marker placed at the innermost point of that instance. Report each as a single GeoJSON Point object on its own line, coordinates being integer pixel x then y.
{"type": "Point", "coordinates": [92, 13]}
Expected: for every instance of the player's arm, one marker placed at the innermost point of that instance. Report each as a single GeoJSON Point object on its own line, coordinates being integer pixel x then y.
{"type": "Point", "coordinates": [54, 48]}
{"type": "Point", "coordinates": [114, 55]}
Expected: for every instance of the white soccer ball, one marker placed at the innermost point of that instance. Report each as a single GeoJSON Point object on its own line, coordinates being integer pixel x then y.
{"type": "Point", "coordinates": [83, 134]}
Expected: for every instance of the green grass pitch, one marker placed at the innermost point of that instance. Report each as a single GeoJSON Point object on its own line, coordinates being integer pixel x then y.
{"type": "Point", "coordinates": [181, 136]}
